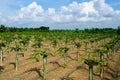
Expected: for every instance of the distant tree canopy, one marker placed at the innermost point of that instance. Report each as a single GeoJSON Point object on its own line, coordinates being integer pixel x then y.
{"type": "Point", "coordinates": [3, 28]}
{"type": "Point", "coordinates": [100, 30]}
{"type": "Point", "coordinates": [44, 28]}
{"type": "Point", "coordinates": [118, 30]}
{"type": "Point", "coordinates": [76, 30]}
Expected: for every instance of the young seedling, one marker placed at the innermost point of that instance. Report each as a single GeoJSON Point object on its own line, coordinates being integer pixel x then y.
{"type": "Point", "coordinates": [101, 62]}
{"type": "Point", "coordinates": [38, 43]}
{"type": "Point", "coordinates": [78, 45]}
{"type": "Point", "coordinates": [107, 47]}
{"type": "Point", "coordinates": [90, 63]}
{"type": "Point", "coordinates": [44, 54]}
{"type": "Point", "coordinates": [66, 40]}
{"type": "Point", "coordinates": [8, 40]}
{"type": "Point", "coordinates": [86, 46]}
{"type": "Point", "coordinates": [54, 43]}
{"type": "Point", "coordinates": [16, 49]}
{"type": "Point", "coordinates": [64, 51]}
{"type": "Point", "coordinates": [37, 55]}
{"type": "Point", "coordinates": [1, 52]}
{"type": "Point", "coordinates": [25, 42]}
{"type": "Point", "coordinates": [91, 41]}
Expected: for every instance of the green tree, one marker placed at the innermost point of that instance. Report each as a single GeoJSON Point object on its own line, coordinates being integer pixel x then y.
{"type": "Point", "coordinates": [118, 30]}
{"type": "Point", "coordinates": [44, 28]}
{"type": "Point", "coordinates": [2, 28]}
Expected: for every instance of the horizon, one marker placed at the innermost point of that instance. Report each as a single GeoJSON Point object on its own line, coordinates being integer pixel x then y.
{"type": "Point", "coordinates": [91, 28]}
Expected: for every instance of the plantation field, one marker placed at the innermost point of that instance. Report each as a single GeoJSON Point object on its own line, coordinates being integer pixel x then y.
{"type": "Point", "coordinates": [59, 55]}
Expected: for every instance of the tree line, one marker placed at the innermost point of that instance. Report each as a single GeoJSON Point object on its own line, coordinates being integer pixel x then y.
{"type": "Point", "coordinates": [4, 28]}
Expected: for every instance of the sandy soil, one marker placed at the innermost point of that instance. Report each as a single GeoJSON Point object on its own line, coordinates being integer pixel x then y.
{"type": "Point", "coordinates": [31, 70]}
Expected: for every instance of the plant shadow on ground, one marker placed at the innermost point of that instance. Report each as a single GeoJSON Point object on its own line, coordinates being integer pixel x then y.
{"type": "Point", "coordinates": [1, 68]}
{"type": "Point", "coordinates": [110, 72]}
{"type": "Point", "coordinates": [66, 77]}
{"type": "Point", "coordinates": [13, 63]}
{"type": "Point", "coordinates": [37, 70]}
{"type": "Point", "coordinates": [55, 62]}
{"type": "Point", "coordinates": [71, 58]}
{"type": "Point", "coordinates": [21, 54]}
{"type": "Point", "coordinates": [113, 72]}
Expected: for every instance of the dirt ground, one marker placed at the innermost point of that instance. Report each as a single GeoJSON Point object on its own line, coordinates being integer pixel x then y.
{"type": "Point", "coordinates": [112, 71]}
{"type": "Point", "coordinates": [31, 70]}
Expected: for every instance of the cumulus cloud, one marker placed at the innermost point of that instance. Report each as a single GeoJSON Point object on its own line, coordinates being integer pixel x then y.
{"type": "Point", "coordinates": [92, 11]}
{"type": "Point", "coordinates": [50, 11]}
{"type": "Point", "coordinates": [32, 11]}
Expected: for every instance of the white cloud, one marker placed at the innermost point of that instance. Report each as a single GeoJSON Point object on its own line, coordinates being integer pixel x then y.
{"type": "Point", "coordinates": [92, 11]}
{"type": "Point", "coordinates": [81, 11]}
{"type": "Point", "coordinates": [32, 11]}
{"type": "Point", "coordinates": [50, 11]}
{"type": "Point", "coordinates": [103, 8]}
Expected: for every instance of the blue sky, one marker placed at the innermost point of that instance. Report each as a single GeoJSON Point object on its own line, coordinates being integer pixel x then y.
{"type": "Point", "coordinates": [60, 14]}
